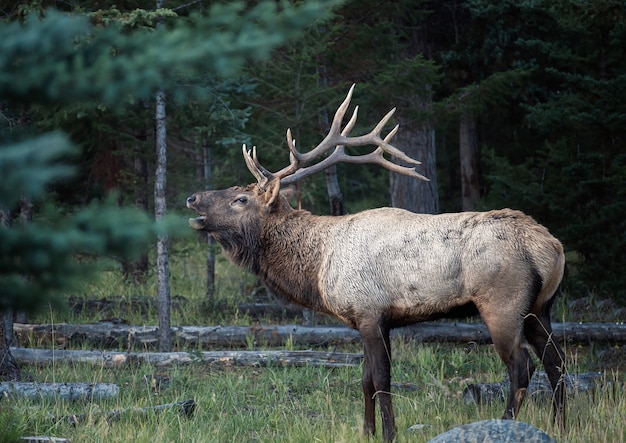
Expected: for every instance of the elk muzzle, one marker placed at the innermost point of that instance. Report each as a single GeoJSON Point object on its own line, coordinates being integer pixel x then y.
{"type": "Point", "coordinates": [195, 222]}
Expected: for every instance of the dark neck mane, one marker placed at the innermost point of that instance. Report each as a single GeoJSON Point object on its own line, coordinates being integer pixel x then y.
{"type": "Point", "coordinates": [290, 258]}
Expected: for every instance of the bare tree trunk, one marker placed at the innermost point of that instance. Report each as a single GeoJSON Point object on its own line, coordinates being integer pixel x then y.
{"type": "Point", "coordinates": [26, 211]}
{"type": "Point", "coordinates": [9, 370]}
{"type": "Point", "coordinates": [25, 217]}
{"type": "Point", "coordinates": [5, 217]}
{"type": "Point", "coordinates": [335, 198]}
{"type": "Point", "coordinates": [136, 271]}
{"type": "Point", "coordinates": [7, 317]}
{"type": "Point", "coordinates": [210, 259]}
{"type": "Point", "coordinates": [468, 153]}
{"type": "Point", "coordinates": [417, 140]}
{"type": "Point", "coordinates": [210, 267]}
{"type": "Point", "coordinates": [140, 166]}
{"type": "Point", "coordinates": [160, 209]}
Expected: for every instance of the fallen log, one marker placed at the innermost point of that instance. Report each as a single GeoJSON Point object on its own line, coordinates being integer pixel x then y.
{"type": "Point", "coordinates": [109, 335]}
{"type": "Point", "coordinates": [43, 439]}
{"type": "Point", "coordinates": [274, 310]}
{"type": "Point", "coordinates": [65, 391]}
{"type": "Point", "coordinates": [538, 389]}
{"type": "Point", "coordinates": [219, 358]}
{"type": "Point", "coordinates": [185, 408]}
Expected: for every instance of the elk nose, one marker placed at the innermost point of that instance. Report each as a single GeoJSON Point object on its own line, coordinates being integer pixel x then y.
{"type": "Point", "coordinates": [191, 200]}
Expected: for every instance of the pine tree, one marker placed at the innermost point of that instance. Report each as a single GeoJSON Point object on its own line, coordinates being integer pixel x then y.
{"type": "Point", "coordinates": [67, 59]}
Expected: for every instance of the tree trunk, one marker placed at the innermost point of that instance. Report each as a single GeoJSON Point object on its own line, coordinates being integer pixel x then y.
{"type": "Point", "coordinates": [210, 259]}
{"type": "Point", "coordinates": [9, 370]}
{"type": "Point", "coordinates": [210, 267]}
{"type": "Point", "coordinates": [26, 211]}
{"type": "Point", "coordinates": [335, 198]}
{"type": "Point", "coordinates": [140, 166]}
{"type": "Point", "coordinates": [165, 359]}
{"type": "Point", "coordinates": [468, 154]}
{"type": "Point", "coordinates": [160, 209]}
{"type": "Point", "coordinates": [417, 140]}
{"type": "Point", "coordinates": [136, 271]}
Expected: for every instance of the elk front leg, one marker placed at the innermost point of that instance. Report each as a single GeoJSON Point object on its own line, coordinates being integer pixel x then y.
{"type": "Point", "coordinates": [377, 378]}
{"type": "Point", "coordinates": [369, 394]}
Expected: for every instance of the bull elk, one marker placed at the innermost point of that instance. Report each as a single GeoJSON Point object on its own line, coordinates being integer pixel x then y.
{"type": "Point", "coordinates": [384, 268]}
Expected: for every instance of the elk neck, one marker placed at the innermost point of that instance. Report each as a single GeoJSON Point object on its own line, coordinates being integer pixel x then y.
{"type": "Point", "coordinates": [291, 249]}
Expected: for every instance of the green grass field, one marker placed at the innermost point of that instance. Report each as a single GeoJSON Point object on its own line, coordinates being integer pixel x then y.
{"type": "Point", "coordinates": [308, 404]}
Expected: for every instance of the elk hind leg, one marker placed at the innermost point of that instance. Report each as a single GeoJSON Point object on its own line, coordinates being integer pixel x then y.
{"type": "Point", "coordinates": [506, 334]}
{"type": "Point", "coordinates": [538, 332]}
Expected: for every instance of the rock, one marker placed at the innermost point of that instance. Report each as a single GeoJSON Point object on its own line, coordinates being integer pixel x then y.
{"type": "Point", "coordinates": [494, 431]}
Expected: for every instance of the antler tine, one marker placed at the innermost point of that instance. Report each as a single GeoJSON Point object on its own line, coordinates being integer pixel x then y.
{"type": "Point", "coordinates": [346, 131]}
{"type": "Point", "coordinates": [293, 153]}
{"type": "Point", "coordinates": [254, 167]}
{"type": "Point", "coordinates": [335, 136]}
{"type": "Point", "coordinates": [293, 158]}
{"type": "Point", "coordinates": [265, 172]}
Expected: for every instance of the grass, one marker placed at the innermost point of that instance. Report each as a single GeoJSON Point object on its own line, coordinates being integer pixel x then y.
{"type": "Point", "coordinates": [304, 404]}
{"type": "Point", "coordinates": [308, 404]}
{"type": "Point", "coordinates": [187, 287]}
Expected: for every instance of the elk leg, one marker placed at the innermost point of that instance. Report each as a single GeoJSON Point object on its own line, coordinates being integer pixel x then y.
{"type": "Point", "coordinates": [538, 332]}
{"type": "Point", "coordinates": [369, 422]}
{"type": "Point", "coordinates": [377, 378]}
{"type": "Point", "coordinates": [521, 368]}
{"type": "Point", "coordinates": [506, 334]}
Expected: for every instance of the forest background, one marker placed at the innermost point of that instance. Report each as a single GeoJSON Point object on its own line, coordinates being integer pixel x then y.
{"type": "Point", "coordinates": [515, 104]}
{"type": "Point", "coordinates": [508, 104]}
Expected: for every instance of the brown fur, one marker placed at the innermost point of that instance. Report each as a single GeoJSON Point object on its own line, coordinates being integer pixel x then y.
{"type": "Point", "coordinates": [384, 268]}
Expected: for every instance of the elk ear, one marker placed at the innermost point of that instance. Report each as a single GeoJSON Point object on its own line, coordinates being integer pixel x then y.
{"type": "Point", "coordinates": [272, 190]}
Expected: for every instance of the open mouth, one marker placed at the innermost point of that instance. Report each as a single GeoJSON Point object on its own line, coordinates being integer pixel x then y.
{"type": "Point", "coordinates": [197, 222]}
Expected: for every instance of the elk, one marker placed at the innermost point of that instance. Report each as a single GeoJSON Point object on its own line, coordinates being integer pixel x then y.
{"type": "Point", "coordinates": [384, 268]}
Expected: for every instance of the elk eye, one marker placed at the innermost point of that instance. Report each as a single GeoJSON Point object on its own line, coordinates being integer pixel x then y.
{"type": "Point", "coordinates": [241, 199]}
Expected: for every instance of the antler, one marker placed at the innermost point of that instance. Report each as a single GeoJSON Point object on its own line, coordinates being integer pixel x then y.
{"type": "Point", "coordinates": [339, 139]}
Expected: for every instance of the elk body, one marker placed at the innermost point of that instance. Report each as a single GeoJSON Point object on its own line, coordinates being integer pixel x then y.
{"type": "Point", "coordinates": [384, 268]}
